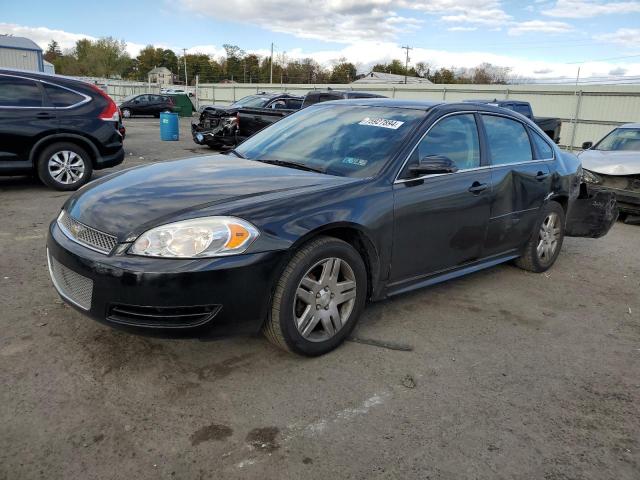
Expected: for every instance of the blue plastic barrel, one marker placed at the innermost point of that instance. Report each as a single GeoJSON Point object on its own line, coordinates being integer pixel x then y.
{"type": "Point", "coordinates": [169, 126]}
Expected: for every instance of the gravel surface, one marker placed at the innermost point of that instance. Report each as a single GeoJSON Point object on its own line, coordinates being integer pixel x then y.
{"type": "Point", "coordinates": [510, 375]}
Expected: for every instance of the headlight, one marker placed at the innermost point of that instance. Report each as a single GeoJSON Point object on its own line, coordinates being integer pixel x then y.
{"type": "Point", "coordinates": [590, 177]}
{"type": "Point", "coordinates": [199, 237]}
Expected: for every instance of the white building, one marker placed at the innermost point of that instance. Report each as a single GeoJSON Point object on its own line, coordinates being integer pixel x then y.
{"type": "Point", "coordinates": [381, 77]}
{"type": "Point", "coordinates": [161, 75]}
{"type": "Point", "coordinates": [20, 53]}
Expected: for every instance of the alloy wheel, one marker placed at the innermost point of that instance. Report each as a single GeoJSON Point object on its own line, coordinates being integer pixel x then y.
{"type": "Point", "coordinates": [324, 299]}
{"type": "Point", "coordinates": [66, 167]}
{"type": "Point", "coordinates": [126, 113]}
{"type": "Point", "coordinates": [548, 237]}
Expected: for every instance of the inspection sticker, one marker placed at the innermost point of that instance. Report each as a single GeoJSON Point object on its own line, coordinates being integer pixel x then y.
{"type": "Point", "coordinates": [381, 122]}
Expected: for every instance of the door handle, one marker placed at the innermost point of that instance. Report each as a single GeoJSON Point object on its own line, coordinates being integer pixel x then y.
{"type": "Point", "coordinates": [541, 176]}
{"type": "Point", "coordinates": [44, 116]}
{"type": "Point", "coordinates": [477, 187]}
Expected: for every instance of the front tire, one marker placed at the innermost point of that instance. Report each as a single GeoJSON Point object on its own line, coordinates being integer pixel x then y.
{"type": "Point", "coordinates": [126, 113]}
{"type": "Point", "coordinates": [64, 166]}
{"type": "Point", "coordinates": [318, 299]}
{"type": "Point", "coordinates": [543, 248]}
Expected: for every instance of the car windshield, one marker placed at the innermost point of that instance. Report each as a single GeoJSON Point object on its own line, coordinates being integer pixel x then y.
{"type": "Point", "coordinates": [130, 97]}
{"type": "Point", "coordinates": [344, 140]}
{"type": "Point", "coordinates": [252, 101]}
{"type": "Point", "coordinates": [625, 139]}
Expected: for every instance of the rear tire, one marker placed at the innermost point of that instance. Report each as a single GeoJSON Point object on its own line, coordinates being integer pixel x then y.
{"type": "Point", "coordinates": [543, 248]}
{"type": "Point", "coordinates": [318, 299]}
{"type": "Point", "coordinates": [64, 166]}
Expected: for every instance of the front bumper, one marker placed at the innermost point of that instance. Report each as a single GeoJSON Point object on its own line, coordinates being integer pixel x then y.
{"type": "Point", "coordinates": [219, 135]}
{"type": "Point", "coordinates": [195, 298]}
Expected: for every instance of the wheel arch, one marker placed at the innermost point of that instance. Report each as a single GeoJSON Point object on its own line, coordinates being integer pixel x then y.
{"type": "Point", "coordinates": [78, 140]}
{"type": "Point", "coordinates": [356, 236]}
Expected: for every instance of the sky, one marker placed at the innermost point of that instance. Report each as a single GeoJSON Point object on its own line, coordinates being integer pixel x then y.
{"type": "Point", "coordinates": [540, 39]}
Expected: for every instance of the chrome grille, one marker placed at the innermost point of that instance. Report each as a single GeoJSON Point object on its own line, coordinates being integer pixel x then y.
{"type": "Point", "coordinates": [71, 285]}
{"type": "Point", "coordinates": [90, 237]}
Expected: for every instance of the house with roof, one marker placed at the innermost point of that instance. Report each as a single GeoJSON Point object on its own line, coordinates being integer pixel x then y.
{"type": "Point", "coordinates": [381, 77]}
{"type": "Point", "coordinates": [161, 76]}
{"type": "Point", "coordinates": [20, 53]}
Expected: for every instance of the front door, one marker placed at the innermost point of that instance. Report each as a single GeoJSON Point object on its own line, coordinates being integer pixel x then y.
{"type": "Point", "coordinates": [441, 220]}
{"type": "Point", "coordinates": [23, 117]}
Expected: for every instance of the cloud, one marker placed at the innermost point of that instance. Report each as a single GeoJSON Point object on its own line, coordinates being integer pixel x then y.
{"type": "Point", "coordinates": [618, 71]}
{"type": "Point", "coordinates": [590, 8]}
{"type": "Point", "coordinates": [67, 40]}
{"type": "Point", "coordinates": [348, 21]}
{"type": "Point", "coordinates": [540, 26]}
{"type": "Point", "coordinates": [462, 29]}
{"type": "Point", "coordinates": [628, 37]}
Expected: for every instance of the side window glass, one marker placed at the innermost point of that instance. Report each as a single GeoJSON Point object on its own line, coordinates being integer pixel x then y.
{"type": "Point", "coordinates": [543, 148]}
{"type": "Point", "coordinates": [61, 97]}
{"type": "Point", "coordinates": [508, 140]}
{"type": "Point", "coordinates": [455, 137]}
{"type": "Point", "coordinates": [19, 92]}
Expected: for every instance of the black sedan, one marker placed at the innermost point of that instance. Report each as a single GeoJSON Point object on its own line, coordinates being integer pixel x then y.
{"type": "Point", "coordinates": [146, 105]}
{"type": "Point", "coordinates": [295, 230]}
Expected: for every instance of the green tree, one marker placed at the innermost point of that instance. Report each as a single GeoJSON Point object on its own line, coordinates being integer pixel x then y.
{"type": "Point", "coordinates": [53, 52]}
{"type": "Point", "coordinates": [343, 72]}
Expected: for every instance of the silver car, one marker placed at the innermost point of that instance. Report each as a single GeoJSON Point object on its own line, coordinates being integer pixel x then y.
{"type": "Point", "coordinates": [613, 164]}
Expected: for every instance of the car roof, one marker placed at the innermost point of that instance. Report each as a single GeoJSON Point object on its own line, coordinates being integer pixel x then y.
{"type": "Point", "coordinates": [630, 125]}
{"type": "Point", "coordinates": [385, 102]}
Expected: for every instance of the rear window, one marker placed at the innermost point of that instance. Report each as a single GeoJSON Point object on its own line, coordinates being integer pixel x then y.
{"type": "Point", "coordinates": [19, 92]}
{"type": "Point", "coordinates": [61, 97]}
{"type": "Point", "coordinates": [508, 140]}
{"type": "Point", "coordinates": [544, 149]}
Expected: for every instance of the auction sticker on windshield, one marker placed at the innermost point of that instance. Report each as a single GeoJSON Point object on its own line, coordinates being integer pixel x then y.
{"type": "Point", "coordinates": [381, 122]}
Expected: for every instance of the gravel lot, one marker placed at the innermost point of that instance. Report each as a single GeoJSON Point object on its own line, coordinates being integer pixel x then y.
{"type": "Point", "coordinates": [512, 375]}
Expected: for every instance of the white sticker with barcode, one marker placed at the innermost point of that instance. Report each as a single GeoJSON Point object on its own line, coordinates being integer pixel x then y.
{"type": "Point", "coordinates": [381, 122]}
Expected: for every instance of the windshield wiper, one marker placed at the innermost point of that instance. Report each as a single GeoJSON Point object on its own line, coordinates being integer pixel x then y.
{"type": "Point", "coordinates": [285, 163]}
{"type": "Point", "coordinates": [236, 153]}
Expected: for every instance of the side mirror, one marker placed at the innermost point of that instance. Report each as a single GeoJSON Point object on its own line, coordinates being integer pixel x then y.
{"type": "Point", "coordinates": [433, 164]}
{"type": "Point", "coordinates": [587, 145]}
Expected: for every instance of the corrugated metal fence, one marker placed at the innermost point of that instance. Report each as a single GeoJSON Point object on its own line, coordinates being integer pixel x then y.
{"type": "Point", "coordinates": [588, 112]}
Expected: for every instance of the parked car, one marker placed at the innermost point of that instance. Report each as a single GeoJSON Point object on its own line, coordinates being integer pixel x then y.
{"type": "Point", "coordinates": [57, 128]}
{"type": "Point", "coordinates": [228, 125]}
{"type": "Point", "coordinates": [174, 91]}
{"type": "Point", "coordinates": [147, 104]}
{"type": "Point", "coordinates": [318, 96]}
{"type": "Point", "coordinates": [336, 205]}
{"type": "Point", "coordinates": [549, 125]}
{"type": "Point", "coordinates": [613, 164]}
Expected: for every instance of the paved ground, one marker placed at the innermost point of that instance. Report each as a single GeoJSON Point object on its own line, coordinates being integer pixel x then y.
{"type": "Point", "coordinates": [512, 375]}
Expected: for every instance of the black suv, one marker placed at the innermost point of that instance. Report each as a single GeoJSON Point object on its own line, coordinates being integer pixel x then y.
{"type": "Point", "coordinates": [60, 128]}
{"type": "Point", "coordinates": [146, 105]}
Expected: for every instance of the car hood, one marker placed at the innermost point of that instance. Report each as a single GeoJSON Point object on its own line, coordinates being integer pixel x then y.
{"type": "Point", "coordinates": [611, 162]}
{"type": "Point", "coordinates": [129, 202]}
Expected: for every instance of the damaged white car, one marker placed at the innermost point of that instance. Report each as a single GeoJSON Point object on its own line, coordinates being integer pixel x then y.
{"type": "Point", "coordinates": [613, 165]}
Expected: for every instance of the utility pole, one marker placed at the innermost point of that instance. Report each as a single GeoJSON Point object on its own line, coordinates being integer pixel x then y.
{"type": "Point", "coordinates": [186, 81]}
{"type": "Point", "coordinates": [406, 63]}
{"type": "Point", "coordinates": [271, 62]}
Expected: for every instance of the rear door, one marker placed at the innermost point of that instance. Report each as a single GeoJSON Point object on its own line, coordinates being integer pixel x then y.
{"type": "Point", "coordinates": [441, 219]}
{"type": "Point", "coordinates": [24, 117]}
{"type": "Point", "coordinates": [521, 181]}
